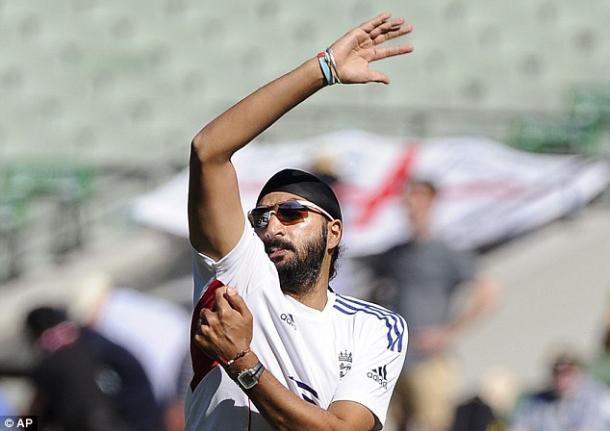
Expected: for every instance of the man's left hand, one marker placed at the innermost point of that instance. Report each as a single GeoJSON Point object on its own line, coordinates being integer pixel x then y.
{"type": "Point", "coordinates": [225, 331]}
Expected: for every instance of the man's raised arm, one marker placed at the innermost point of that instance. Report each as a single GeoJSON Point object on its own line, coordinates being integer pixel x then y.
{"type": "Point", "coordinates": [216, 218]}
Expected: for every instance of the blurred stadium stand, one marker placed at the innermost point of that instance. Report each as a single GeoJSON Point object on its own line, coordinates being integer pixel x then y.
{"type": "Point", "coordinates": [129, 83]}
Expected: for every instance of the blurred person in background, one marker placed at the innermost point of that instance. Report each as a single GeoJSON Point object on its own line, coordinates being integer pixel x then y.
{"type": "Point", "coordinates": [423, 277]}
{"type": "Point", "coordinates": [84, 382]}
{"type": "Point", "coordinates": [491, 407]}
{"type": "Point", "coordinates": [138, 321]}
{"type": "Point", "coordinates": [474, 415]}
{"type": "Point", "coordinates": [571, 402]}
{"type": "Point", "coordinates": [599, 368]}
{"type": "Point", "coordinates": [6, 408]}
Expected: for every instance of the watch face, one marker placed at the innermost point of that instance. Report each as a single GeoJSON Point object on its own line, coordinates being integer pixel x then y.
{"type": "Point", "coordinates": [249, 378]}
{"type": "Point", "coordinates": [246, 379]}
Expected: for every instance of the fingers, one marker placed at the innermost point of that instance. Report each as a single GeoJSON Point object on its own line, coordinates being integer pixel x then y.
{"type": "Point", "coordinates": [207, 317]}
{"type": "Point", "coordinates": [383, 28]}
{"type": "Point", "coordinates": [227, 301]}
{"type": "Point", "coordinates": [203, 335]}
{"type": "Point", "coordinates": [380, 77]}
{"type": "Point", "coordinates": [204, 345]}
{"type": "Point", "coordinates": [389, 25]}
{"type": "Point", "coordinates": [201, 342]}
{"type": "Point", "coordinates": [221, 305]}
{"type": "Point", "coordinates": [391, 51]}
{"type": "Point", "coordinates": [372, 24]}
{"type": "Point", "coordinates": [237, 302]}
{"type": "Point", "coordinates": [391, 32]}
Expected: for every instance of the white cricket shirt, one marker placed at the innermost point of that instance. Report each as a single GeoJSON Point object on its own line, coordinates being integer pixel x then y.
{"type": "Point", "coordinates": [351, 350]}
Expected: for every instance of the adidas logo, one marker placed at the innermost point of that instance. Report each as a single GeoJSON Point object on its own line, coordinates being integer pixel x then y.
{"type": "Point", "coordinates": [380, 375]}
{"type": "Point", "coordinates": [289, 320]}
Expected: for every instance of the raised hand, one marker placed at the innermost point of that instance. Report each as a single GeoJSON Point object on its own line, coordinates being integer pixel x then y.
{"type": "Point", "coordinates": [360, 46]}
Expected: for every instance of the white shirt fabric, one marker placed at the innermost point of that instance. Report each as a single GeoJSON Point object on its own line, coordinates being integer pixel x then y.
{"type": "Point", "coordinates": [351, 350]}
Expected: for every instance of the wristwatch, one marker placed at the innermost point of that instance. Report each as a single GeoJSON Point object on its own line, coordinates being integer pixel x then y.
{"type": "Point", "coordinates": [249, 377]}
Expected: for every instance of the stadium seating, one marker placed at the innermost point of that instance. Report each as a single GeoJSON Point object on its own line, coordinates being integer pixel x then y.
{"type": "Point", "coordinates": [117, 81]}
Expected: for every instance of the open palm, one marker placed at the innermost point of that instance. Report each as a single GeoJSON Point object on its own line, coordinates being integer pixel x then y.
{"type": "Point", "coordinates": [356, 49]}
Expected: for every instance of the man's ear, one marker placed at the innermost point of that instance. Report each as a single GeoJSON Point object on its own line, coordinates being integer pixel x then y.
{"type": "Point", "coordinates": [335, 230]}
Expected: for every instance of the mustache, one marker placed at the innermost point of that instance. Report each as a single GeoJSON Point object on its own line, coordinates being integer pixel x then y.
{"type": "Point", "coordinates": [278, 243]}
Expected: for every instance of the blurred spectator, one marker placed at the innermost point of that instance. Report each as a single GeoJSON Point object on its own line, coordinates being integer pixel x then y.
{"type": "Point", "coordinates": [600, 366]}
{"type": "Point", "coordinates": [489, 410]}
{"type": "Point", "coordinates": [499, 389]}
{"type": "Point", "coordinates": [5, 408]}
{"type": "Point", "coordinates": [84, 382]}
{"type": "Point", "coordinates": [138, 321]}
{"type": "Point", "coordinates": [474, 415]}
{"type": "Point", "coordinates": [572, 402]}
{"type": "Point", "coordinates": [425, 274]}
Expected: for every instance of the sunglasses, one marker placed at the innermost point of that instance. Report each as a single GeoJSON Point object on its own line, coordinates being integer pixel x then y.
{"type": "Point", "coordinates": [287, 212]}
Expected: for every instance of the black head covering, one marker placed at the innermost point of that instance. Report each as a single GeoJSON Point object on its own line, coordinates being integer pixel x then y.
{"type": "Point", "coordinates": [307, 186]}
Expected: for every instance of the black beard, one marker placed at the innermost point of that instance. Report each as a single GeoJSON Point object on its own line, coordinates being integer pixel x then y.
{"type": "Point", "coordinates": [299, 275]}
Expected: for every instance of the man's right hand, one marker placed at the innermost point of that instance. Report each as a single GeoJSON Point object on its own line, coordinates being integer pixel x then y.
{"type": "Point", "coordinates": [225, 331]}
{"type": "Point", "coordinates": [356, 49]}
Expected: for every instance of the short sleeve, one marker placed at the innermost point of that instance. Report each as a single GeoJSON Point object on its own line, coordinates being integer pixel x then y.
{"type": "Point", "coordinates": [377, 366]}
{"type": "Point", "coordinates": [246, 267]}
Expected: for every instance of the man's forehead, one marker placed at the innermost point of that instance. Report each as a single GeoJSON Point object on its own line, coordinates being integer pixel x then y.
{"type": "Point", "coordinates": [274, 197]}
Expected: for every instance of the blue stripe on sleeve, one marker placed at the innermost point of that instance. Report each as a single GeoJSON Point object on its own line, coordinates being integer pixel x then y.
{"type": "Point", "coordinates": [394, 323]}
{"type": "Point", "coordinates": [305, 386]}
{"type": "Point", "coordinates": [399, 324]}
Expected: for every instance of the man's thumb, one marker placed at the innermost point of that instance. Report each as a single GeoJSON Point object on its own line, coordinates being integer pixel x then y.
{"type": "Point", "coordinates": [236, 301]}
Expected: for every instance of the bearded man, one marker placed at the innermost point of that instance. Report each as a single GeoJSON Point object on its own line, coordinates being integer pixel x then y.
{"type": "Point", "coordinates": [303, 358]}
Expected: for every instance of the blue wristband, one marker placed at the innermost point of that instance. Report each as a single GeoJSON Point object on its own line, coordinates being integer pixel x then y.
{"type": "Point", "coordinates": [329, 79]}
